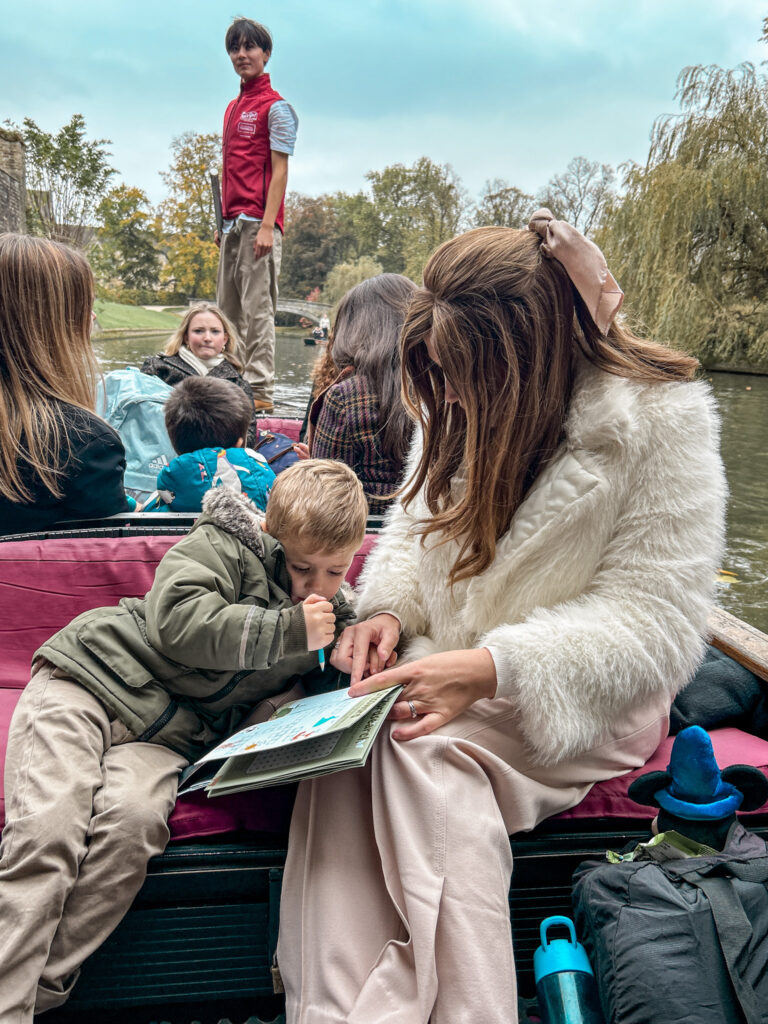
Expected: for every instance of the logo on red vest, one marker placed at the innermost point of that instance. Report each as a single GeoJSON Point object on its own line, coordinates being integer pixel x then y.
{"type": "Point", "coordinates": [247, 123]}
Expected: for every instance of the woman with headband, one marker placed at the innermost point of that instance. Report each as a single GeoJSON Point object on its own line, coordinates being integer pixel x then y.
{"type": "Point", "coordinates": [546, 579]}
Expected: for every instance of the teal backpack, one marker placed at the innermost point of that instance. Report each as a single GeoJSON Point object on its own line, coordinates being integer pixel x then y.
{"type": "Point", "coordinates": [133, 403]}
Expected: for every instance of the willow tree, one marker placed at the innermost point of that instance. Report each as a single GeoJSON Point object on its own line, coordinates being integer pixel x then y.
{"type": "Point", "coordinates": [346, 275]}
{"type": "Point", "coordinates": [689, 238]}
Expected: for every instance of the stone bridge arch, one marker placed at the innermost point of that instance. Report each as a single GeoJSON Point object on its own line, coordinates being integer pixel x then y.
{"type": "Point", "coordinates": [301, 307]}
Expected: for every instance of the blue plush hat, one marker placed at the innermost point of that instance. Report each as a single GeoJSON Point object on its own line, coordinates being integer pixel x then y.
{"type": "Point", "coordinates": [696, 789]}
{"type": "Point", "coordinates": [693, 787]}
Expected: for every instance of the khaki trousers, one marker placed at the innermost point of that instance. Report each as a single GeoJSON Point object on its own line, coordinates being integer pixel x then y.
{"type": "Point", "coordinates": [394, 906]}
{"type": "Point", "coordinates": [85, 811]}
{"type": "Point", "coordinates": [246, 291]}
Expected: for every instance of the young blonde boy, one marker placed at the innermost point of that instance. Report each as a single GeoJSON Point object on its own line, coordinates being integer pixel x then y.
{"type": "Point", "coordinates": [122, 698]}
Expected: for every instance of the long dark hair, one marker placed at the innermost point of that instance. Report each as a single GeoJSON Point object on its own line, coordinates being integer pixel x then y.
{"type": "Point", "coordinates": [366, 335]}
{"type": "Point", "coordinates": [506, 325]}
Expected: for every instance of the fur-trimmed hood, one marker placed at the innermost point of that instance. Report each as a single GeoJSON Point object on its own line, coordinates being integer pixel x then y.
{"type": "Point", "coordinates": [236, 514]}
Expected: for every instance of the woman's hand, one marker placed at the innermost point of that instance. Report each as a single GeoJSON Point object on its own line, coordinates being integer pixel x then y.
{"type": "Point", "coordinates": [367, 646]}
{"type": "Point", "coordinates": [440, 687]}
{"type": "Point", "coordinates": [301, 450]}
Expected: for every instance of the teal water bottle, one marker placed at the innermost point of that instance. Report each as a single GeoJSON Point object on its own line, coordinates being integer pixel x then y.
{"type": "Point", "coordinates": [565, 984]}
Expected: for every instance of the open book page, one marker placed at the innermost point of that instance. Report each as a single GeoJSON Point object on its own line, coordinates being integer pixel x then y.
{"type": "Point", "coordinates": [305, 719]}
{"type": "Point", "coordinates": [306, 758]}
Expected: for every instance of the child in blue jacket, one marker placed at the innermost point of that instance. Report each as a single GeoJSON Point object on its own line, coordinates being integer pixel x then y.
{"type": "Point", "coordinates": [207, 421]}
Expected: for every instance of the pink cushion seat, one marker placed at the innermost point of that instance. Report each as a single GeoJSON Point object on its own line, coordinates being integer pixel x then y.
{"type": "Point", "coordinates": [44, 584]}
{"type": "Point", "coordinates": [276, 425]}
{"type": "Point", "coordinates": [609, 799]}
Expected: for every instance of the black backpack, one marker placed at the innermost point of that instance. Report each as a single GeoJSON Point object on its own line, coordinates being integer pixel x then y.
{"type": "Point", "coordinates": [681, 941]}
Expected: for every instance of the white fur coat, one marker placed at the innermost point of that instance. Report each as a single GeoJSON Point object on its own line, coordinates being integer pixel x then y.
{"type": "Point", "coordinates": [597, 599]}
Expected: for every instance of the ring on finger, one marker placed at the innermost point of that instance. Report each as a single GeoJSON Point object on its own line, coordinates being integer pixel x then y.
{"type": "Point", "coordinates": [414, 712]}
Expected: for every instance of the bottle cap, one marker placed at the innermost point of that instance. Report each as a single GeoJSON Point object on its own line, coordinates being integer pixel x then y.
{"type": "Point", "coordinates": [555, 955]}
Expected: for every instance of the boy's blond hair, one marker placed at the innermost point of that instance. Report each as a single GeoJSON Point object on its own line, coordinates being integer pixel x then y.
{"type": "Point", "coordinates": [318, 502]}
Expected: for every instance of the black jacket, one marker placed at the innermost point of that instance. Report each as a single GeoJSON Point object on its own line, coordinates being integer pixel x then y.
{"type": "Point", "coordinates": [173, 370]}
{"type": "Point", "coordinates": [92, 480]}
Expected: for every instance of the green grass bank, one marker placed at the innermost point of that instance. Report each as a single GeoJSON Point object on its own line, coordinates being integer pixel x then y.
{"type": "Point", "coordinates": [112, 316]}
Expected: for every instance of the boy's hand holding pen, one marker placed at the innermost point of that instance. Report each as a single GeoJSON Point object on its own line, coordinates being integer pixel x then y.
{"type": "Point", "coordinates": [320, 621]}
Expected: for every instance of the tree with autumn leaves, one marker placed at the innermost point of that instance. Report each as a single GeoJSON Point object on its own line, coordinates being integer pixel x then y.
{"type": "Point", "coordinates": [167, 253]}
{"type": "Point", "coordinates": [125, 258]}
{"type": "Point", "coordinates": [187, 217]}
{"type": "Point", "coordinates": [135, 250]}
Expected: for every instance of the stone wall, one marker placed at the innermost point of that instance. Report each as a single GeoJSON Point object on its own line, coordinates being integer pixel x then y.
{"type": "Point", "coordinates": [12, 188]}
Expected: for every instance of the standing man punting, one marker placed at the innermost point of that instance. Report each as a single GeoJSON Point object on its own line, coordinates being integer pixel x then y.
{"type": "Point", "coordinates": [259, 136]}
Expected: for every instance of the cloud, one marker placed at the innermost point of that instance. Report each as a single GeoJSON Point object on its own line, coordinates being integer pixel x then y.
{"type": "Point", "coordinates": [497, 88]}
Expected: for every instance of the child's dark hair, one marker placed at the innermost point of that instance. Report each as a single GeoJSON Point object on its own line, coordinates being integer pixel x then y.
{"type": "Point", "coordinates": [252, 33]}
{"type": "Point", "coordinates": [205, 412]}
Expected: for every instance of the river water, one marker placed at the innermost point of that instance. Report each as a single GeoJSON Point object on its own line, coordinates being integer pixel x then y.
{"type": "Point", "coordinates": [743, 403]}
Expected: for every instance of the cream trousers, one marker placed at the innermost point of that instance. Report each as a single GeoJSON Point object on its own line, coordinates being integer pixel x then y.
{"type": "Point", "coordinates": [394, 905]}
{"type": "Point", "coordinates": [246, 291]}
{"type": "Point", "coordinates": [85, 811]}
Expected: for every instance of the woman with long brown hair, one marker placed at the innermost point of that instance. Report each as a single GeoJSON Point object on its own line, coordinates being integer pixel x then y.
{"type": "Point", "coordinates": [547, 579]}
{"type": "Point", "coordinates": [58, 459]}
{"type": "Point", "coordinates": [359, 417]}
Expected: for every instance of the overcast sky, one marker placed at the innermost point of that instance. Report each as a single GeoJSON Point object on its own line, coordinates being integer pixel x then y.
{"type": "Point", "coordinates": [497, 88]}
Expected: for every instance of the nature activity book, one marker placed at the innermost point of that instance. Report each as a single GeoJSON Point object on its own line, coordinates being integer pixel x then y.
{"type": "Point", "coordinates": [310, 736]}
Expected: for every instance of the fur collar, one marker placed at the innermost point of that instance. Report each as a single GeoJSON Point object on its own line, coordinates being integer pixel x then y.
{"type": "Point", "coordinates": [236, 514]}
{"type": "Point", "coordinates": [602, 411]}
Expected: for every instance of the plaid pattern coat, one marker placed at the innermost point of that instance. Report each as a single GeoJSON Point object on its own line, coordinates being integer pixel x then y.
{"type": "Point", "coordinates": [344, 425]}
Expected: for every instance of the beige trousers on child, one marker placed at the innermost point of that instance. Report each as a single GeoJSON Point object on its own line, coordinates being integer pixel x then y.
{"type": "Point", "coordinates": [85, 811]}
{"type": "Point", "coordinates": [246, 291]}
{"type": "Point", "coordinates": [394, 906]}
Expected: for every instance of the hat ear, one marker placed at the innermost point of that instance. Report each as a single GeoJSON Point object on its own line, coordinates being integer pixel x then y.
{"type": "Point", "coordinates": [643, 789]}
{"type": "Point", "coordinates": [749, 781]}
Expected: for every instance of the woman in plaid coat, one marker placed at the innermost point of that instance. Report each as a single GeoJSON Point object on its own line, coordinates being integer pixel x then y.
{"type": "Point", "coordinates": [359, 419]}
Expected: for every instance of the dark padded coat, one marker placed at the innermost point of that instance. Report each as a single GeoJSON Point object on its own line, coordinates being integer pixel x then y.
{"type": "Point", "coordinates": [91, 480]}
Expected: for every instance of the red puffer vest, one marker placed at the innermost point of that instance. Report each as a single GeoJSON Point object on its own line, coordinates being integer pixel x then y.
{"type": "Point", "coordinates": [247, 164]}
